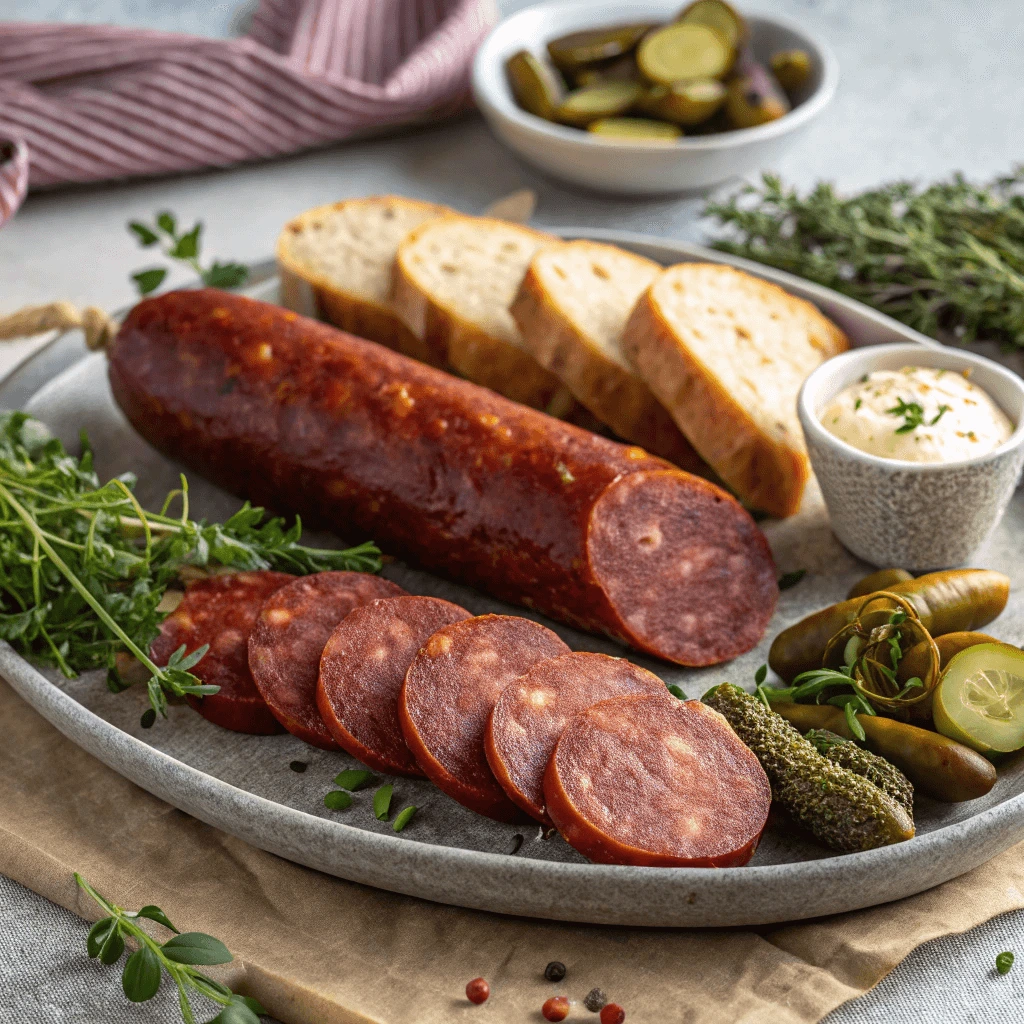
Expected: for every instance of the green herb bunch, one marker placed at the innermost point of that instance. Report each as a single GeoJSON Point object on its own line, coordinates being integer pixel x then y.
{"type": "Point", "coordinates": [83, 567]}
{"type": "Point", "coordinates": [183, 246]}
{"type": "Point", "coordinates": [178, 957]}
{"type": "Point", "coordinates": [947, 260]}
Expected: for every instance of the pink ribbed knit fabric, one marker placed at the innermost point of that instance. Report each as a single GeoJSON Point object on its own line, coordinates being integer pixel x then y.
{"type": "Point", "coordinates": [87, 103]}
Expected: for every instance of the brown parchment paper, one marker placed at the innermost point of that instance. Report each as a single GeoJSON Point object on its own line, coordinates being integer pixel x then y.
{"type": "Point", "coordinates": [317, 950]}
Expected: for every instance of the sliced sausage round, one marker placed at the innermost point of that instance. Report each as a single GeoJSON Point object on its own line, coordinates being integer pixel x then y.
{"type": "Point", "coordinates": [645, 781]}
{"type": "Point", "coordinates": [534, 709]}
{"type": "Point", "coordinates": [221, 611]}
{"type": "Point", "coordinates": [288, 639]}
{"type": "Point", "coordinates": [448, 695]}
{"type": "Point", "coordinates": [361, 674]}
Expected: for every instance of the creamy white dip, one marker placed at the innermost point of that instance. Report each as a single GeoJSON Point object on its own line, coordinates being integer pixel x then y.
{"type": "Point", "coordinates": [917, 414]}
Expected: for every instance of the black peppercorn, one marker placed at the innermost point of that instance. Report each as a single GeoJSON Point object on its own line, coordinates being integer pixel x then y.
{"type": "Point", "coordinates": [555, 971]}
{"type": "Point", "coordinates": [594, 1000]}
{"type": "Point", "coordinates": [298, 766]}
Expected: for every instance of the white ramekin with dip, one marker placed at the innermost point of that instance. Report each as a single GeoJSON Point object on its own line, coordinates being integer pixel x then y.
{"type": "Point", "coordinates": [917, 450]}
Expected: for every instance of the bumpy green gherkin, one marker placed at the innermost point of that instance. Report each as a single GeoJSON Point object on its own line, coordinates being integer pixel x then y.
{"type": "Point", "coordinates": [845, 753]}
{"type": "Point", "coordinates": [842, 809]}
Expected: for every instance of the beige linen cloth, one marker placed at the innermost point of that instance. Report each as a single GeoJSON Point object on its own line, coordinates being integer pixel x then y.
{"type": "Point", "coordinates": [317, 950]}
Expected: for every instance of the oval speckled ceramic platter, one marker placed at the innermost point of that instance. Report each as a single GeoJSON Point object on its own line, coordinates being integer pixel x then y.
{"type": "Point", "coordinates": [243, 784]}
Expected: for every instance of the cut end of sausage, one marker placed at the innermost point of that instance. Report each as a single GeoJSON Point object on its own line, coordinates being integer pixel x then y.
{"type": "Point", "coordinates": [657, 783]}
{"type": "Point", "coordinates": [449, 693]}
{"type": "Point", "coordinates": [361, 674]}
{"type": "Point", "coordinates": [688, 572]}
{"type": "Point", "coordinates": [293, 626]}
{"type": "Point", "coordinates": [221, 611]}
{"type": "Point", "coordinates": [534, 709]}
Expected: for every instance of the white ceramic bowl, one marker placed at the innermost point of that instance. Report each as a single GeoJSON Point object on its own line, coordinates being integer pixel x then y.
{"type": "Point", "coordinates": [912, 515]}
{"type": "Point", "coordinates": [638, 169]}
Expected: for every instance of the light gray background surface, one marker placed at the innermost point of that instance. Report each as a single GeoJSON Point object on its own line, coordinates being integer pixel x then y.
{"type": "Point", "coordinates": [928, 87]}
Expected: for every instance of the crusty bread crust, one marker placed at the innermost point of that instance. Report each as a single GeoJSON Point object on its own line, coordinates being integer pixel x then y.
{"type": "Point", "coordinates": [471, 351]}
{"type": "Point", "coordinates": [615, 396]}
{"type": "Point", "coordinates": [314, 293]}
{"type": "Point", "coordinates": [766, 466]}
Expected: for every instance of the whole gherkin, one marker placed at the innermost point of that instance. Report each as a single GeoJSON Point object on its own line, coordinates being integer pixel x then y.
{"type": "Point", "coordinates": [841, 808]}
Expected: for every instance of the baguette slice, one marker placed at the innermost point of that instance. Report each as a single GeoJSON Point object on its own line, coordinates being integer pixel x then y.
{"type": "Point", "coordinates": [335, 263]}
{"type": "Point", "coordinates": [571, 309]}
{"type": "Point", "coordinates": [454, 279]}
{"type": "Point", "coordinates": [727, 353]}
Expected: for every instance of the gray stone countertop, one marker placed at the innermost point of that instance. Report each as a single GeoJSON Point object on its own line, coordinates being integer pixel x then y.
{"type": "Point", "coordinates": [928, 87]}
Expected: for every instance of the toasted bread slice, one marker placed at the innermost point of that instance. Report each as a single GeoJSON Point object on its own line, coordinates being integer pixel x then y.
{"type": "Point", "coordinates": [571, 309]}
{"type": "Point", "coordinates": [727, 353]}
{"type": "Point", "coordinates": [454, 279]}
{"type": "Point", "coordinates": [336, 261]}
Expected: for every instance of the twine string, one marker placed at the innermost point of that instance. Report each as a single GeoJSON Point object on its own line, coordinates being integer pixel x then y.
{"type": "Point", "coordinates": [98, 327]}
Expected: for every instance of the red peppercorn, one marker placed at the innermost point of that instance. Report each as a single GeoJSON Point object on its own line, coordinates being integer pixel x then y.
{"type": "Point", "coordinates": [612, 1013]}
{"type": "Point", "coordinates": [556, 1008]}
{"type": "Point", "coordinates": [477, 991]}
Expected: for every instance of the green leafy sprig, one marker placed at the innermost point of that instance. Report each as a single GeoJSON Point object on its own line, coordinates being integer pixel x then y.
{"type": "Point", "coordinates": [177, 957]}
{"type": "Point", "coordinates": [947, 259]}
{"type": "Point", "coordinates": [83, 568]}
{"type": "Point", "coordinates": [183, 246]}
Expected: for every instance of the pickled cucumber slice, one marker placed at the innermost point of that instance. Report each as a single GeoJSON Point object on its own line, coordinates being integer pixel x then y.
{"type": "Point", "coordinates": [582, 106]}
{"type": "Point", "coordinates": [686, 103]}
{"type": "Point", "coordinates": [635, 129]}
{"type": "Point", "coordinates": [792, 68]}
{"type": "Point", "coordinates": [980, 698]}
{"type": "Point", "coordinates": [729, 23]}
{"type": "Point", "coordinates": [535, 86]}
{"type": "Point", "coordinates": [622, 69]}
{"type": "Point", "coordinates": [571, 52]}
{"type": "Point", "coordinates": [682, 52]}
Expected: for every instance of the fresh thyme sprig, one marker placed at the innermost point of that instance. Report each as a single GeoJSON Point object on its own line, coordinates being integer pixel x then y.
{"type": "Point", "coordinates": [183, 246]}
{"type": "Point", "coordinates": [83, 568]}
{"type": "Point", "coordinates": [947, 259]}
{"type": "Point", "coordinates": [178, 957]}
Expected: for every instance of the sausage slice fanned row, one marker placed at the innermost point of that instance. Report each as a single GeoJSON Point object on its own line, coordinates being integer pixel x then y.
{"type": "Point", "coordinates": [289, 637]}
{"type": "Point", "coordinates": [300, 417]}
{"type": "Point", "coordinates": [448, 695]}
{"type": "Point", "coordinates": [534, 709]}
{"type": "Point", "coordinates": [221, 611]}
{"type": "Point", "coordinates": [645, 781]}
{"type": "Point", "coordinates": [362, 671]}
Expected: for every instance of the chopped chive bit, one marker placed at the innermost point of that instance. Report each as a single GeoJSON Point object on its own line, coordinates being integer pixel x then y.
{"type": "Point", "coordinates": [338, 800]}
{"type": "Point", "coordinates": [404, 817]}
{"type": "Point", "coordinates": [382, 802]}
{"type": "Point", "coordinates": [353, 778]}
{"type": "Point", "coordinates": [1004, 961]}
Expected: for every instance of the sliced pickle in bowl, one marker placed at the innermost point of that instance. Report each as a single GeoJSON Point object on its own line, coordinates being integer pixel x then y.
{"type": "Point", "coordinates": [577, 50]}
{"type": "Point", "coordinates": [980, 698]}
{"type": "Point", "coordinates": [685, 103]}
{"type": "Point", "coordinates": [792, 69]}
{"type": "Point", "coordinates": [722, 17]}
{"type": "Point", "coordinates": [535, 86]}
{"type": "Point", "coordinates": [610, 99]}
{"type": "Point", "coordinates": [635, 129]}
{"type": "Point", "coordinates": [682, 52]}
{"type": "Point", "coordinates": [621, 69]}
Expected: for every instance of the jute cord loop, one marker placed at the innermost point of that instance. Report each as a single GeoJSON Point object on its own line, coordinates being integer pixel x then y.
{"type": "Point", "coordinates": [99, 327]}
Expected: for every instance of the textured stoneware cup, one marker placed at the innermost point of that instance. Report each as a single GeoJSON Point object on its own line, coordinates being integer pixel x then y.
{"type": "Point", "coordinates": [912, 515]}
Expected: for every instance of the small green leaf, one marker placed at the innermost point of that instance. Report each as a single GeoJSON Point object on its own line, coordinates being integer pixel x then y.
{"type": "Point", "coordinates": [760, 675]}
{"type": "Point", "coordinates": [677, 691]}
{"type": "Point", "coordinates": [382, 802]}
{"type": "Point", "coordinates": [338, 800]}
{"type": "Point", "coordinates": [404, 817]}
{"type": "Point", "coordinates": [112, 946]}
{"type": "Point", "coordinates": [225, 275]}
{"type": "Point", "coordinates": [141, 977]}
{"type": "Point", "coordinates": [147, 281]}
{"type": "Point", "coordinates": [146, 236]}
{"type": "Point", "coordinates": [851, 720]}
{"type": "Point", "coordinates": [1004, 961]}
{"type": "Point", "coordinates": [196, 948]}
{"type": "Point", "coordinates": [165, 221]}
{"type": "Point", "coordinates": [98, 934]}
{"type": "Point", "coordinates": [353, 778]}
{"type": "Point", "coordinates": [236, 1013]}
{"type": "Point", "coordinates": [791, 579]}
{"type": "Point", "coordinates": [152, 913]}
{"type": "Point", "coordinates": [187, 246]}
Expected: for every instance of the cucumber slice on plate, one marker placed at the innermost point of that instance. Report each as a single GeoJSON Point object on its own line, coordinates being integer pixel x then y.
{"type": "Point", "coordinates": [980, 698]}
